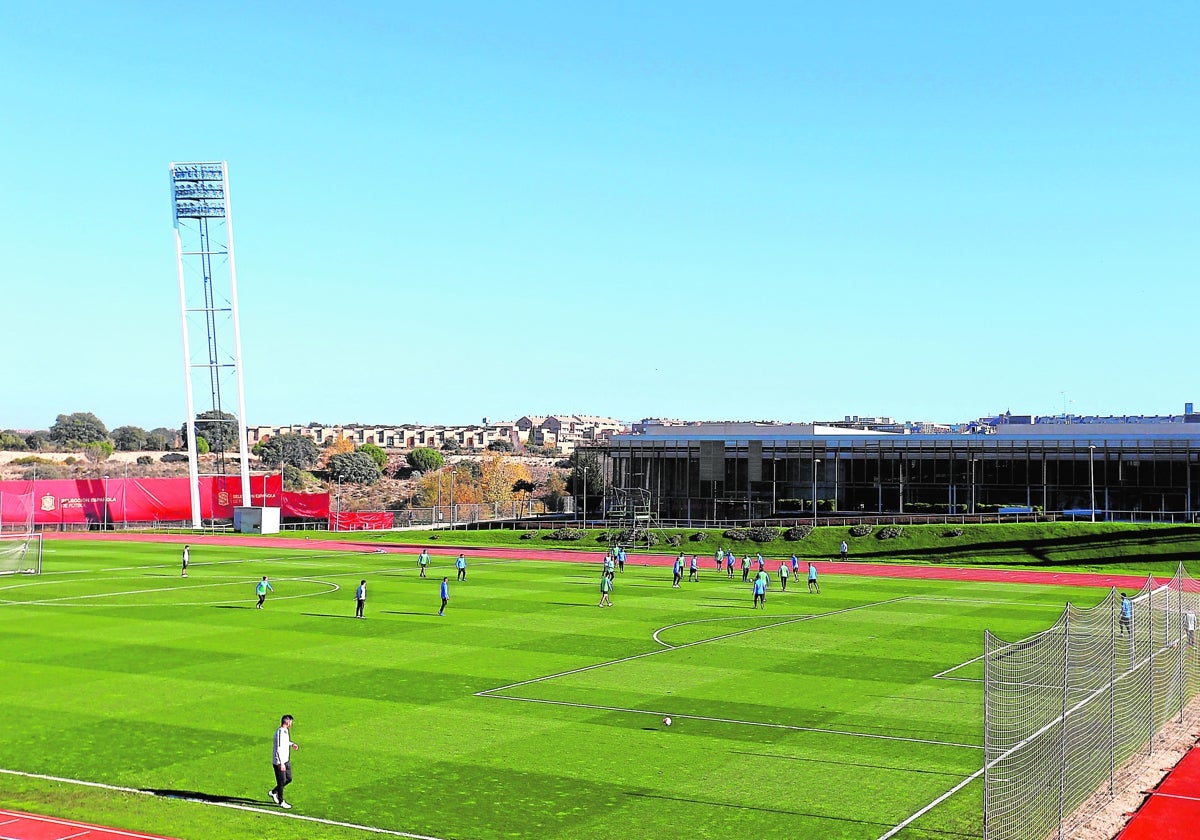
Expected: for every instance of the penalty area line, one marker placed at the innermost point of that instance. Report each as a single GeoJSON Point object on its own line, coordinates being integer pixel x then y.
{"type": "Point", "coordinates": [233, 806]}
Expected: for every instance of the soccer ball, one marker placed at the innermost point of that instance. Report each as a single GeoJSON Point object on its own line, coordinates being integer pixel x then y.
{"type": "Point", "coordinates": [666, 721]}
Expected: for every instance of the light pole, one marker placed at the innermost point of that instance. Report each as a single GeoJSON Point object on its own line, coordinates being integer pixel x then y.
{"type": "Point", "coordinates": [814, 500]}
{"type": "Point", "coordinates": [106, 503]}
{"type": "Point", "coordinates": [584, 497]}
{"type": "Point", "coordinates": [452, 498]}
{"type": "Point", "coordinates": [1092, 476]}
{"type": "Point", "coordinates": [338, 521]}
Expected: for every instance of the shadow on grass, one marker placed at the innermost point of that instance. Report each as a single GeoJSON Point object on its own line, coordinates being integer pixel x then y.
{"type": "Point", "coordinates": [869, 766]}
{"type": "Point", "coordinates": [232, 607]}
{"type": "Point", "coordinates": [326, 615]}
{"type": "Point", "coordinates": [761, 808]}
{"type": "Point", "coordinates": [402, 612]}
{"type": "Point", "coordinates": [201, 796]}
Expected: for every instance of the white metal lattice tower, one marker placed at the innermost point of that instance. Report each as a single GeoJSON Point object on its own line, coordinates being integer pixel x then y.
{"type": "Point", "coordinates": [200, 206]}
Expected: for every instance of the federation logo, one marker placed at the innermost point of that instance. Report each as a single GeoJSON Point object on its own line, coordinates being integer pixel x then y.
{"type": "Point", "coordinates": [47, 502]}
{"type": "Point", "coordinates": [223, 498]}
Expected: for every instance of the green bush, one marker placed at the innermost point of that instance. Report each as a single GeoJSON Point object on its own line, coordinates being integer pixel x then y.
{"type": "Point", "coordinates": [528, 535]}
{"type": "Point", "coordinates": [953, 532]}
{"type": "Point", "coordinates": [636, 536]}
{"type": "Point", "coordinates": [145, 460]}
{"type": "Point", "coordinates": [699, 536]}
{"type": "Point", "coordinates": [31, 460]}
{"type": "Point", "coordinates": [51, 470]}
{"type": "Point", "coordinates": [797, 532]}
{"type": "Point", "coordinates": [674, 540]}
{"type": "Point", "coordinates": [174, 458]}
{"type": "Point", "coordinates": [736, 534]}
{"type": "Point", "coordinates": [891, 532]}
{"type": "Point", "coordinates": [375, 454]}
{"type": "Point", "coordinates": [566, 534]}
{"type": "Point", "coordinates": [764, 534]}
{"type": "Point", "coordinates": [861, 530]}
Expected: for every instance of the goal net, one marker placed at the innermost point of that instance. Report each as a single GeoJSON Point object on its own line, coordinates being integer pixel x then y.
{"type": "Point", "coordinates": [1065, 708]}
{"type": "Point", "coordinates": [20, 554]}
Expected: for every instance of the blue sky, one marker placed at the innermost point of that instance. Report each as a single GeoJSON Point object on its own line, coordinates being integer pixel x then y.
{"type": "Point", "coordinates": [786, 211]}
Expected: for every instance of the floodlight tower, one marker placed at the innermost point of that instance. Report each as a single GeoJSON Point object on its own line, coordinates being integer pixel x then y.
{"type": "Point", "coordinates": [208, 305]}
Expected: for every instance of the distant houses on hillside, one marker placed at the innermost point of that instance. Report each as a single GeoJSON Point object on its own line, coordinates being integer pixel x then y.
{"type": "Point", "coordinates": [563, 432]}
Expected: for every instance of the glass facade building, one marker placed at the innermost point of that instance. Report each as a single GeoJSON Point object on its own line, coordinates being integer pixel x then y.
{"type": "Point", "coordinates": [728, 471]}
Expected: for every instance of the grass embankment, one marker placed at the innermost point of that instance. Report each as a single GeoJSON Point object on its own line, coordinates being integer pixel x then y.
{"type": "Point", "coordinates": [1062, 546]}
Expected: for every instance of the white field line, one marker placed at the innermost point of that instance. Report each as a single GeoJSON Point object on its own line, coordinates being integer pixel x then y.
{"type": "Point", "coordinates": [1019, 745]}
{"type": "Point", "coordinates": [492, 691]}
{"type": "Point", "coordinates": [230, 805]}
{"type": "Point", "coordinates": [63, 601]}
{"type": "Point", "coordinates": [734, 721]}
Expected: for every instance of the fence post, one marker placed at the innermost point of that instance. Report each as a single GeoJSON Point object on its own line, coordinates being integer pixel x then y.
{"type": "Point", "coordinates": [1112, 692]}
{"type": "Point", "coordinates": [1062, 759]}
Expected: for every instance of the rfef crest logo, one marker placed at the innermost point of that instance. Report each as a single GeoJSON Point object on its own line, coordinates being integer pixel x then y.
{"type": "Point", "coordinates": [223, 498]}
{"type": "Point", "coordinates": [47, 502]}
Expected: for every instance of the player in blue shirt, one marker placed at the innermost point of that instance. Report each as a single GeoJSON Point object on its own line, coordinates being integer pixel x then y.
{"type": "Point", "coordinates": [677, 572]}
{"type": "Point", "coordinates": [461, 565]}
{"type": "Point", "coordinates": [1126, 615]}
{"type": "Point", "coordinates": [760, 591]}
{"type": "Point", "coordinates": [445, 595]}
{"type": "Point", "coordinates": [693, 568]}
{"type": "Point", "coordinates": [812, 579]}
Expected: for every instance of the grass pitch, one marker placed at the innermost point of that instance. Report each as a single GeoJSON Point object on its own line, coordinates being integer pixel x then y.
{"type": "Point", "coordinates": [526, 711]}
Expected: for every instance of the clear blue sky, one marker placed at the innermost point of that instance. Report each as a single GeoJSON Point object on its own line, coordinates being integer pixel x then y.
{"type": "Point", "coordinates": [783, 211]}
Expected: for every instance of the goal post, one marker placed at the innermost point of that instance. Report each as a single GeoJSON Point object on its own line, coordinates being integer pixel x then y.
{"type": "Point", "coordinates": [20, 554]}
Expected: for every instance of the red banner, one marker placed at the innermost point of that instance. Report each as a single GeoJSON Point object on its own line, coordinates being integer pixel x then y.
{"type": "Point", "coordinates": [145, 500]}
{"type": "Point", "coordinates": [349, 520]}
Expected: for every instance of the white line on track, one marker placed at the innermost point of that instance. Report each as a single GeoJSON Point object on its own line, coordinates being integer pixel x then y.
{"type": "Point", "coordinates": [230, 805]}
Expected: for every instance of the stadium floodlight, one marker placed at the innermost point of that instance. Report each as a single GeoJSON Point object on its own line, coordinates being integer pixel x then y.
{"type": "Point", "coordinates": [200, 206]}
{"type": "Point", "coordinates": [21, 554]}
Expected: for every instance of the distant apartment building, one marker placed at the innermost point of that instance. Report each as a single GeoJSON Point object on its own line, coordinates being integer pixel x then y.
{"type": "Point", "coordinates": [564, 431]}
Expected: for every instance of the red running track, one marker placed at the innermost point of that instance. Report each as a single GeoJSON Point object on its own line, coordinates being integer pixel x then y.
{"type": "Point", "coordinates": [1172, 811]}
{"type": "Point", "coordinates": [15, 825]}
{"type": "Point", "coordinates": [970, 573]}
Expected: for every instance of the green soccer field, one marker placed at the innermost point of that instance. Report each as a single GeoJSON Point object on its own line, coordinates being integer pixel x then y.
{"type": "Point", "coordinates": [525, 712]}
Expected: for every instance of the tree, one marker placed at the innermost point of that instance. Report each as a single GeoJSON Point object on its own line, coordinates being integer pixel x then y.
{"type": "Point", "coordinates": [426, 460]}
{"type": "Point", "coordinates": [71, 430]}
{"type": "Point", "coordinates": [292, 450]}
{"type": "Point", "coordinates": [353, 468]}
{"type": "Point", "coordinates": [13, 441]}
{"type": "Point", "coordinates": [556, 489]}
{"type": "Point", "coordinates": [500, 445]}
{"type": "Point", "coordinates": [202, 447]}
{"type": "Point", "coordinates": [170, 437]}
{"type": "Point", "coordinates": [339, 445]}
{"type": "Point", "coordinates": [98, 451]}
{"type": "Point", "coordinates": [499, 474]}
{"type": "Point", "coordinates": [38, 441]}
{"type": "Point", "coordinates": [129, 438]}
{"type": "Point", "coordinates": [219, 428]}
{"type": "Point", "coordinates": [581, 460]}
{"type": "Point", "coordinates": [157, 442]}
{"type": "Point", "coordinates": [451, 445]}
{"type": "Point", "coordinates": [375, 453]}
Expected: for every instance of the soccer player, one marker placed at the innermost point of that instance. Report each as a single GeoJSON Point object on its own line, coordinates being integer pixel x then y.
{"type": "Point", "coordinates": [423, 561]}
{"type": "Point", "coordinates": [845, 550]}
{"type": "Point", "coordinates": [677, 572]}
{"type": "Point", "coordinates": [606, 585]}
{"type": "Point", "coordinates": [281, 761]}
{"type": "Point", "coordinates": [693, 568]}
{"type": "Point", "coordinates": [1189, 620]}
{"type": "Point", "coordinates": [185, 560]}
{"type": "Point", "coordinates": [812, 580]}
{"type": "Point", "coordinates": [445, 595]}
{"type": "Point", "coordinates": [795, 565]}
{"type": "Point", "coordinates": [783, 576]}
{"type": "Point", "coordinates": [360, 599]}
{"type": "Point", "coordinates": [264, 586]}
{"type": "Point", "coordinates": [621, 559]}
{"type": "Point", "coordinates": [729, 559]}
{"type": "Point", "coordinates": [461, 565]}
{"type": "Point", "coordinates": [761, 564]}
{"type": "Point", "coordinates": [746, 569]}
{"type": "Point", "coordinates": [1126, 615]}
{"type": "Point", "coordinates": [760, 591]}
{"type": "Point", "coordinates": [719, 557]}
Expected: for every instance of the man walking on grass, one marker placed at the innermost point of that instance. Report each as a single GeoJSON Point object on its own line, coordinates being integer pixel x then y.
{"type": "Point", "coordinates": [445, 595]}
{"type": "Point", "coordinates": [812, 580]}
{"type": "Point", "coordinates": [264, 586]}
{"type": "Point", "coordinates": [186, 558]}
{"type": "Point", "coordinates": [423, 561]}
{"type": "Point", "coordinates": [281, 761]}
